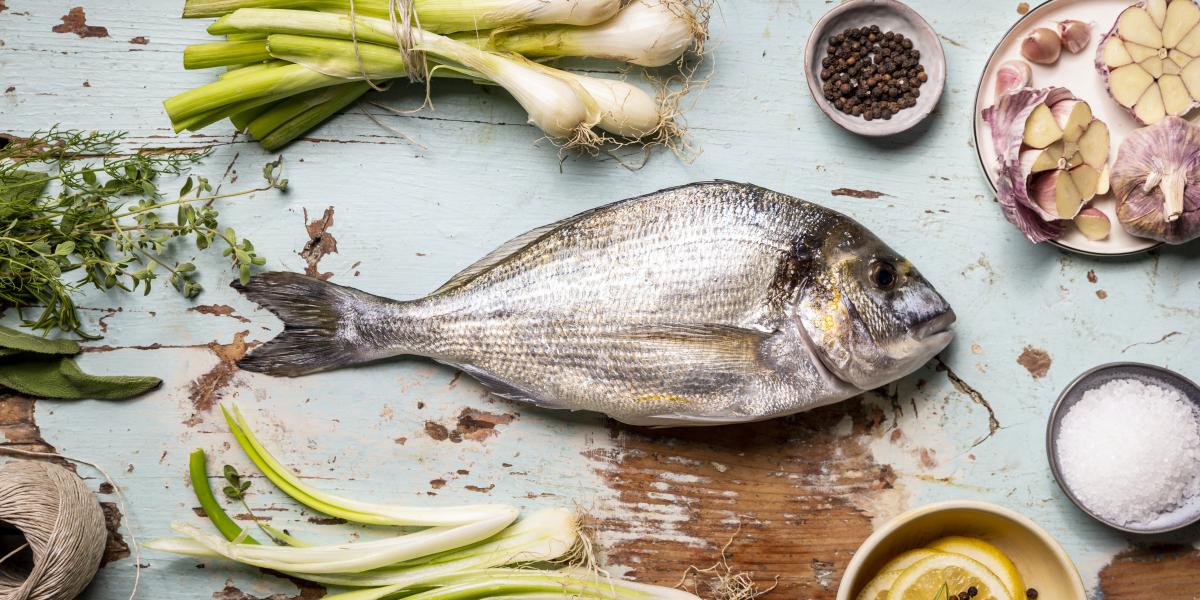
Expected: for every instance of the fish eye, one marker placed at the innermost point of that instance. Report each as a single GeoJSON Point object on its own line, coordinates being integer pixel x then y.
{"type": "Point", "coordinates": [883, 275]}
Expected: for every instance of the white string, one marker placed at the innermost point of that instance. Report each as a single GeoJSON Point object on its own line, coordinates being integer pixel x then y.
{"type": "Point", "coordinates": [137, 553]}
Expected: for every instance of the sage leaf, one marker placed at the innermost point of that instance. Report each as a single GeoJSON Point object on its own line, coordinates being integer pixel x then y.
{"type": "Point", "coordinates": [21, 186]}
{"type": "Point", "coordinates": [18, 340]}
{"type": "Point", "coordinates": [62, 378]}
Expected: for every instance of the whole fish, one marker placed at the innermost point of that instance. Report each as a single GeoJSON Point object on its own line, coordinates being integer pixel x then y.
{"type": "Point", "coordinates": [704, 304]}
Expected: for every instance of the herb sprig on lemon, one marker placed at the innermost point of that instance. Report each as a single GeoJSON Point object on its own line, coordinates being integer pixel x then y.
{"type": "Point", "coordinates": [962, 566]}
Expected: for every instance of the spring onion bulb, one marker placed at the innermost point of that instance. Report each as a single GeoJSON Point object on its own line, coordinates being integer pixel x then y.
{"type": "Point", "coordinates": [625, 110]}
{"type": "Point", "coordinates": [544, 536]}
{"type": "Point", "coordinates": [576, 583]}
{"type": "Point", "coordinates": [650, 33]}
{"type": "Point", "coordinates": [354, 510]}
{"type": "Point", "coordinates": [559, 107]}
{"type": "Point", "coordinates": [438, 16]}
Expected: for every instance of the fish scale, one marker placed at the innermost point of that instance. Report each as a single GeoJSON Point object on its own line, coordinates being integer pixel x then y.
{"type": "Point", "coordinates": [704, 304]}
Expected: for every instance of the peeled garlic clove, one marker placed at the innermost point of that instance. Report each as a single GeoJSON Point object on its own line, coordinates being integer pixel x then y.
{"type": "Point", "coordinates": [1042, 46]}
{"type": "Point", "coordinates": [1093, 224]}
{"type": "Point", "coordinates": [1147, 59]}
{"type": "Point", "coordinates": [1075, 35]}
{"type": "Point", "coordinates": [1012, 75]}
{"type": "Point", "coordinates": [1042, 129]}
{"type": "Point", "coordinates": [1156, 180]}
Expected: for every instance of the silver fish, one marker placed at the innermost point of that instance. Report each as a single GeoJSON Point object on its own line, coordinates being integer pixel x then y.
{"type": "Point", "coordinates": [704, 304]}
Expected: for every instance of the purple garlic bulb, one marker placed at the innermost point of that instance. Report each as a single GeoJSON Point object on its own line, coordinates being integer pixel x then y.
{"type": "Point", "coordinates": [1156, 181]}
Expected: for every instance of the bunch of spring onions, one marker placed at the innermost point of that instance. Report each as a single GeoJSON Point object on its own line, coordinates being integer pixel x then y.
{"type": "Point", "coordinates": [463, 553]}
{"type": "Point", "coordinates": [291, 64]}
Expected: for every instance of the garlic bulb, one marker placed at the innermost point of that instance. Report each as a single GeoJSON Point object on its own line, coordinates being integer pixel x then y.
{"type": "Point", "coordinates": [1053, 157]}
{"type": "Point", "coordinates": [1012, 75]}
{"type": "Point", "coordinates": [1147, 59]}
{"type": "Point", "coordinates": [1156, 180]}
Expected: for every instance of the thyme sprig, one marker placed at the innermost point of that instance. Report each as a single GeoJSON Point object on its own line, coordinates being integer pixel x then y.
{"type": "Point", "coordinates": [105, 225]}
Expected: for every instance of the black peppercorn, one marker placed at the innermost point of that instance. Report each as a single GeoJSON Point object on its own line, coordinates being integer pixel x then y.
{"type": "Point", "coordinates": [1031, 593]}
{"type": "Point", "coordinates": [871, 73]}
{"type": "Point", "coordinates": [972, 591]}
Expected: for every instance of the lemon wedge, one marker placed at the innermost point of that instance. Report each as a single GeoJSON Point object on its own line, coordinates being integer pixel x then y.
{"type": "Point", "coordinates": [987, 554]}
{"type": "Point", "coordinates": [878, 588]}
{"type": "Point", "coordinates": [925, 578]}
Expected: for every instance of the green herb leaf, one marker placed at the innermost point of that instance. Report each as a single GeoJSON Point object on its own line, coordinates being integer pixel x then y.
{"type": "Point", "coordinates": [16, 340]}
{"type": "Point", "coordinates": [62, 378]}
{"type": "Point", "coordinates": [943, 593]}
{"type": "Point", "coordinates": [232, 493]}
{"type": "Point", "coordinates": [20, 186]}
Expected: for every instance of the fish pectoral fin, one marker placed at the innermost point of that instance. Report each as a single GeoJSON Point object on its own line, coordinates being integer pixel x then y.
{"type": "Point", "coordinates": [504, 389]}
{"type": "Point", "coordinates": [706, 346]}
{"type": "Point", "coordinates": [667, 420]}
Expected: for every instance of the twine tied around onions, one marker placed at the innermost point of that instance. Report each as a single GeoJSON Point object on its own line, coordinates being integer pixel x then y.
{"type": "Point", "coordinates": [62, 525]}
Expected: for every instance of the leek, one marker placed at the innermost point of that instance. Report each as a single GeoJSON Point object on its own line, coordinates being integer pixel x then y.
{"type": "Point", "coordinates": [438, 16]}
{"type": "Point", "coordinates": [353, 510]}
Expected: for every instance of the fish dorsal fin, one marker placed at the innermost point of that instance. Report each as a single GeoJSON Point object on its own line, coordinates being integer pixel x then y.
{"type": "Point", "coordinates": [711, 347]}
{"type": "Point", "coordinates": [508, 249]}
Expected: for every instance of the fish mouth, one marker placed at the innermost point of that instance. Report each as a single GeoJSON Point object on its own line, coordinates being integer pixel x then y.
{"type": "Point", "coordinates": [937, 328]}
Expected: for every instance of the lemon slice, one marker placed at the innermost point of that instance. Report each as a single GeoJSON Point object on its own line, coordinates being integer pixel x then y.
{"type": "Point", "coordinates": [878, 588]}
{"type": "Point", "coordinates": [989, 555]}
{"type": "Point", "coordinates": [925, 578]}
{"type": "Point", "coordinates": [907, 559]}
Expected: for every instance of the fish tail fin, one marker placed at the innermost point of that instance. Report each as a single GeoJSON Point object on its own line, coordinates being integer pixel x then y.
{"type": "Point", "coordinates": [324, 325]}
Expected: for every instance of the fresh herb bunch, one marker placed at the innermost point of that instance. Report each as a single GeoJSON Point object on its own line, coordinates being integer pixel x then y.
{"type": "Point", "coordinates": [104, 226]}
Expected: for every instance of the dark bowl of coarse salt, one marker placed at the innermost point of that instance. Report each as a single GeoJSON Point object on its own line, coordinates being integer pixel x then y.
{"type": "Point", "coordinates": [875, 67]}
{"type": "Point", "coordinates": [1124, 445]}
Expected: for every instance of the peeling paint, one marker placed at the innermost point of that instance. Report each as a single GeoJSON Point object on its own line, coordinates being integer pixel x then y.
{"type": "Point", "coordinates": [1036, 361]}
{"type": "Point", "coordinates": [218, 310]}
{"type": "Point", "coordinates": [320, 243]}
{"type": "Point", "coordinates": [307, 591]}
{"type": "Point", "coordinates": [1172, 569]}
{"type": "Point", "coordinates": [115, 547]}
{"type": "Point", "coordinates": [75, 21]}
{"type": "Point", "coordinates": [205, 390]}
{"type": "Point", "coordinates": [140, 40]}
{"type": "Point", "coordinates": [853, 193]}
{"type": "Point", "coordinates": [475, 425]}
{"type": "Point", "coordinates": [962, 386]}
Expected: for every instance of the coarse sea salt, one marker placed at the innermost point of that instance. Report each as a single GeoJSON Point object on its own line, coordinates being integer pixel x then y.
{"type": "Point", "coordinates": [1130, 451]}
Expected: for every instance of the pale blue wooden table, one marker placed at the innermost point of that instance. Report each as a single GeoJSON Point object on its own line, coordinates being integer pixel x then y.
{"type": "Point", "coordinates": [805, 491]}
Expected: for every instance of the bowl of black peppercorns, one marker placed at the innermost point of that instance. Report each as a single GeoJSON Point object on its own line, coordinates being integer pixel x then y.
{"type": "Point", "coordinates": [875, 67]}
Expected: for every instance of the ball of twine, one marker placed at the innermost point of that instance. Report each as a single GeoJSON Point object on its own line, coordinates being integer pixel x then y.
{"type": "Point", "coordinates": [63, 527]}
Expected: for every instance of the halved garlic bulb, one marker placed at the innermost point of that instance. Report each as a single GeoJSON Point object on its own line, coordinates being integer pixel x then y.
{"type": "Point", "coordinates": [1066, 154]}
{"type": "Point", "coordinates": [1147, 59]}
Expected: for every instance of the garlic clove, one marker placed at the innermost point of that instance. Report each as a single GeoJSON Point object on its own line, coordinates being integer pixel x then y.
{"type": "Point", "coordinates": [1190, 44]}
{"type": "Point", "coordinates": [1012, 75]}
{"type": "Point", "coordinates": [1087, 181]}
{"type": "Point", "coordinates": [1093, 224]}
{"type": "Point", "coordinates": [1036, 160]}
{"type": "Point", "coordinates": [1116, 55]}
{"type": "Point", "coordinates": [1181, 18]}
{"type": "Point", "coordinates": [1153, 66]}
{"type": "Point", "coordinates": [1102, 186]}
{"type": "Point", "coordinates": [1042, 46]}
{"type": "Point", "coordinates": [1176, 99]}
{"type": "Point", "coordinates": [1170, 68]}
{"type": "Point", "coordinates": [1076, 35]}
{"type": "Point", "coordinates": [1072, 117]}
{"type": "Point", "coordinates": [1179, 58]}
{"type": "Point", "coordinates": [1127, 84]}
{"type": "Point", "coordinates": [1158, 12]}
{"type": "Point", "coordinates": [1139, 52]}
{"type": "Point", "coordinates": [1191, 78]}
{"type": "Point", "coordinates": [1041, 129]}
{"type": "Point", "coordinates": [1149, 108]}
{"type": "Point", "coordinates": [1094, 145]}
{"type": "Point", "coordinates": [1135, 25]}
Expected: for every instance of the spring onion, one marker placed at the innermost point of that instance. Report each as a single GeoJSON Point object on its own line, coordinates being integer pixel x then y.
{"type": "Point", "coordinates": [507, 583]}
{"type": "Point", "coordinates": [345, 508]}
{"type": "Point", "coordinates": [438, 16]}
{"type": "Point", "coordinates": [220, 54]}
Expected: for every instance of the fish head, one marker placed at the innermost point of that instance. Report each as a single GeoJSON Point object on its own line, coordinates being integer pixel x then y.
{"type": "Point", "coordinates": [866, 312]}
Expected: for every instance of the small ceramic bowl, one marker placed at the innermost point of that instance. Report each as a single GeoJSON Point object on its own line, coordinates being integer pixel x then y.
{"type": "Point", "coordinates": [1185, 515]}
{"type": "Point", "coordinates": [889, 15]}
{"type": "Point", "coordinates": [1042, 562]}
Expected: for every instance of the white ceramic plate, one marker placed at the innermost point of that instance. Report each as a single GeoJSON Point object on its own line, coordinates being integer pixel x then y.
{"type": "Point", "coordinates": [1076, 72]}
